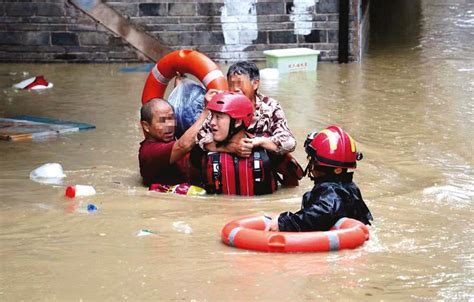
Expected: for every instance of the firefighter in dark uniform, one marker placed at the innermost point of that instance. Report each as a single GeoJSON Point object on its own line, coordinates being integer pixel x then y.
{"type": "Point", "coordinates": [331, 153]}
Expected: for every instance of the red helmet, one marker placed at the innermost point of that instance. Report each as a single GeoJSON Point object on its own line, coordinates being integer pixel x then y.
{"type": "Point", "coordinates": [332, 147]}
{"type": "Point", "coordinates": [236, 105]}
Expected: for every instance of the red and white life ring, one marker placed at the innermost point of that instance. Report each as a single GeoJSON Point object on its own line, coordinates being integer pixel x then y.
{"type": "Point", "coordinates": [249, 233]}
{"type": "Point", "coordinates": [182, 61]}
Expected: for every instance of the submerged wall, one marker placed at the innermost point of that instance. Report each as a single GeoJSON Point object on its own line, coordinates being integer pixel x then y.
{"type": "Point", "coordinates": [226, 30]}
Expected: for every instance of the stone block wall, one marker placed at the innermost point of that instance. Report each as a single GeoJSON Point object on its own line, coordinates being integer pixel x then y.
{"type": "Point", "coordinates": [225, 30]}
{"type": "Point", "coordinates": [56, 31]}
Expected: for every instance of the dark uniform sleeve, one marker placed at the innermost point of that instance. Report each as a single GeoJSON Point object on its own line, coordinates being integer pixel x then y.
{"type": "Point", "coordinates": [318, 213]}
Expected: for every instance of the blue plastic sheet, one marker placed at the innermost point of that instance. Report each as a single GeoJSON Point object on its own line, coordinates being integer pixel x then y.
{"type": "Point", "coordinates": [139, 68]}
{"type": "Point", "coordinates": [187, 100]}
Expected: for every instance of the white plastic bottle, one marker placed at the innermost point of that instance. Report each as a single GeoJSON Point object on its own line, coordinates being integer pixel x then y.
{"type": "Point", "coordinates": [79, 190]}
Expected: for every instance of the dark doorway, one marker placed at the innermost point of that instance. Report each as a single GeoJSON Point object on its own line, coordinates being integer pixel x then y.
{"type": "Point", "coordinates": [395, 23]}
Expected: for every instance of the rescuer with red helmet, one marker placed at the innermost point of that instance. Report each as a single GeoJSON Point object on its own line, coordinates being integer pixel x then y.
{"type": "Point", "coordinates": [231, 114]}
{"type": "Point", "coordinates": [227, 173]}
{"type": "Point", "coordinates": [331, 152]}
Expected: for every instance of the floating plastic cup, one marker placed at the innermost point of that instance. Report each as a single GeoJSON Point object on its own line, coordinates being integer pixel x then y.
{"type": "Point", "coordinates": [50, 173]}
{"type": "Point", "coordinates": [182, 227]}
{"type": "Point", "coordinates": [79, 190]}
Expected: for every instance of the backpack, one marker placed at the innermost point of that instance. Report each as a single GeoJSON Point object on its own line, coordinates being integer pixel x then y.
{"type": "Point", "coordinates": [231, 175]}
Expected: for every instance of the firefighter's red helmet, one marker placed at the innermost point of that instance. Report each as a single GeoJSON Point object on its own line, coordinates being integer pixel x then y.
{"type": "Point", "coordinates": [332, 147]}
{"type": "Point", "coordinates": [236, 105]}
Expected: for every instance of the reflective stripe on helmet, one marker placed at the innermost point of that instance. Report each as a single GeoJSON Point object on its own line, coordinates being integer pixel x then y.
{"type": "Point", "coordinates": [332, 138]}
{"type": "Point", "coordinates": [353, 145]}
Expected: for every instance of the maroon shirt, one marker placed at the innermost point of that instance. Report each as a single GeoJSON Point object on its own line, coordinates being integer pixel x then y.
{"type": "Point", "coordinates": [155, 167]}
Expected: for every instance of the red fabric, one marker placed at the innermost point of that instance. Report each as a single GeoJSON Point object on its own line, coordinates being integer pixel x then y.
{"type": "Point", "coordinates": [246, 177]}
{"type": "Point", "coordinates": [39, 80]}
{"type": "Point", "coordinates": [237, 177]}
{"type": "Point", "coordinates": [155, 167]}
{"type": "Point", "coordinates": [245, 181]}
{"type": "Point", "coordinates": [228, 174]}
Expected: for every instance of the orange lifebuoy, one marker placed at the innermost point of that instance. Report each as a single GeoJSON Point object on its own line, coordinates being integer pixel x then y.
{"type": "Point", "coordinates": [249, 233]}
{"type": "Point", "coordinates": [182, 61]}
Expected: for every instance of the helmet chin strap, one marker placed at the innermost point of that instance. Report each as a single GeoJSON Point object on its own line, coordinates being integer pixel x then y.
{"type": "Point", "coordinates": [231, 132]}
{"type": "Point", "coordinates": [308, 170]}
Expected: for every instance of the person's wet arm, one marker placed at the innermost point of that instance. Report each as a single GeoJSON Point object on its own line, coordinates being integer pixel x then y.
{"type": "Point", "coordinates": [188, 140]}
{"type": "Point", "coordinates": [281, 136]}
{"type": "Point", "coordinates": [242, 147]}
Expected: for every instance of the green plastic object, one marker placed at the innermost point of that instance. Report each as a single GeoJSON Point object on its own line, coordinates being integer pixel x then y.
{"type": "Point", "coordinates": [292, 59]}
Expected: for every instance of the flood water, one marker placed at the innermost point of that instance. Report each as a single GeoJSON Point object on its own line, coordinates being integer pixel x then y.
{"type": "Point", "coordinates": [409, 105]}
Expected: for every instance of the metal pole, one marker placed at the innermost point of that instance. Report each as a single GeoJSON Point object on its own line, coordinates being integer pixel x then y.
{"type": "Point", "coordinates": [343, 51]}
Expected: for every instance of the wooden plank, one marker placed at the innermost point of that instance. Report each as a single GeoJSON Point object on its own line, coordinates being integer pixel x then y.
{"type": "Point", "coordinates": [147, 45]}
{"type": "Point", "coordinates": [81, 126]}
{"type": "Point", "coordinates": [30, 127]}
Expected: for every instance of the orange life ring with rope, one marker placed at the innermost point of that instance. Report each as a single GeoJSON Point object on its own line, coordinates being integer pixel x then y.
{"type": "Point", "coordinates": [182, 61]}
{"type": "Point", "coordinates": [249, 233]}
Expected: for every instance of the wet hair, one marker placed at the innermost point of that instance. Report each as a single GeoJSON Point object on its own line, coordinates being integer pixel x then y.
{"type": "Point", "coordinates": [244, 68]}
{"type": "Point", "coordinates": [145, 112]}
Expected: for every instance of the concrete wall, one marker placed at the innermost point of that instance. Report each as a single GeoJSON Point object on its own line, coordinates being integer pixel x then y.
{"type": "Point", "coordinates": [226, 30]}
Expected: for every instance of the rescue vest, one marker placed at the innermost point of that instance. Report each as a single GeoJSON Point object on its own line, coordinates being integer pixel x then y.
{"type": "Point", "coordinates": [231, 175]}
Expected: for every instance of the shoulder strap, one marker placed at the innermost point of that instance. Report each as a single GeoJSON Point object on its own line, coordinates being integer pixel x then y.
{"type": "Point", "coordinates": [236, 160]}
{"type": "Point", "coordinates": [216, 171]}
{"type": "Point", "coordinates": [264, 180]}
{"type": "Point", "coordinates": [257, 169]}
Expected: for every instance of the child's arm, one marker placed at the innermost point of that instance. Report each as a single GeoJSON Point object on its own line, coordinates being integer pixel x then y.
{"type": "Point", "coordinates": [318, 212]}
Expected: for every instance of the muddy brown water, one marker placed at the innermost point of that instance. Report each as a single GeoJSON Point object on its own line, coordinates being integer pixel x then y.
{"type": "Point", "coordinates": [408, 105]}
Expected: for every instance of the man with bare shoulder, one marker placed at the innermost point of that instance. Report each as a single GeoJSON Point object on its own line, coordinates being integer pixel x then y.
{"type": "Point", "coordinates": [163, 158]}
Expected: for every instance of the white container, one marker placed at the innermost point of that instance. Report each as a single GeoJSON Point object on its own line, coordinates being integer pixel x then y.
{"type": "Point", "coordinates": [292, 59]}
{"type": "Point", "coordinates": [50, 173]}
{"type": "Point", "coordinates": [182, 227]}
{"type": "Point", "coordinates": [79, 190]}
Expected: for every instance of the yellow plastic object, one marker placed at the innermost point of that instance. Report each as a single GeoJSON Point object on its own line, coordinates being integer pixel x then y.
{"type": "Point", "coordinates": [195, 190]}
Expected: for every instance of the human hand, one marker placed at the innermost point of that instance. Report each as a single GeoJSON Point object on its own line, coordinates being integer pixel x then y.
{"type": "Point", "coordinates": [179, 77]}
{"type": "Point", "coordinates": [258, 141]}
{"type": "Point", "coordinates": [272, 226]}
{"type": "Point", "coordinates": [244, 147]}
{"type": "Point", "coordinates": [265, 143]}
{"type": "Point", "coordinates": [210, 93]}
